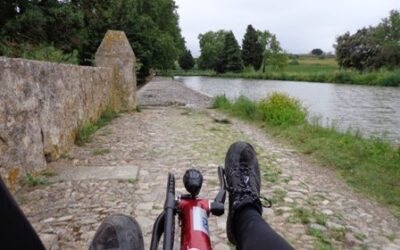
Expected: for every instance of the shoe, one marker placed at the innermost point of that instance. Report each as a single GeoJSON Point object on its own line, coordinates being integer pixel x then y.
{"type": "Point", "coordinates": [243, 181]}
{"type": "Point", "coordinates": [118, 232]}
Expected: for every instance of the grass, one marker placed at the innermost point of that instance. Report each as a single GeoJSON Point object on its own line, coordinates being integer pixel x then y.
{"type": "Point", "coordinates": [132, 181]}
{"type": "Point", "coordinates": [323, 242]}
{"type": "Point", "coordinates": [279, 195]}
{"type": "Point", "coordinates": [48, 173]}
{"type": "Point", "coordinates": [371, 166]}
{"type": "Point", "coordinates": [310, 69]}
{"type": "Point", "coordinates": [300, 215]}
{"type": "Point", "coordinates": [101, 151]}
{"type": "Point", "coordinates": [391, 237]}
{"type": "Point", "coordinates": [360, 236]}
{"type": "Point", "coordinates": [88, 129]}
{"type": "Point", "coordinates": [33, 180]}
{"type": "Point", "coordinates": [67, 157]}
{"type": "Point", "coordinates": [21, 200]}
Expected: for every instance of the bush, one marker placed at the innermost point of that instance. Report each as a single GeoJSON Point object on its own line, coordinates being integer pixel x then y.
{"type": "Point", "coordinates": [221, 102]}
{"type": "Point", "coordinates": [51, 54]}
{"type": "Point", "coordinates": [41, 52]}
{"type": "Point", "coordinates": [245, 108]}
{"type": "Point", "coordinates": [281, 110]}
{"type": "Point", "coordinates": [392, 79]}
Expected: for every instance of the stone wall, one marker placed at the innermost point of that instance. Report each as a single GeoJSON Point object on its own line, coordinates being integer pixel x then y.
{"type": "Point", "coordinates": [43, 105]}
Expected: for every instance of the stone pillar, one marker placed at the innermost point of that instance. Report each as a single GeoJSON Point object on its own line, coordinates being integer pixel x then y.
{"type": "Point", "coordinates": [116, 52]}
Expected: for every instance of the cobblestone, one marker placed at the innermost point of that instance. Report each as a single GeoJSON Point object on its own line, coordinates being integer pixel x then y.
{"type": "Point", "coordinates": [162, 139]}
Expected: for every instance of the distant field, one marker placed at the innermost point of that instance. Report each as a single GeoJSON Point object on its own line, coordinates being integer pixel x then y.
{"type": "Point", "coordinates": [310, 64]}
{"type": "Point", "coordinates": [312, 60]}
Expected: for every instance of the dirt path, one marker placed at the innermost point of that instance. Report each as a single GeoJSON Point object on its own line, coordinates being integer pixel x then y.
{"type": "Point", "coordinates": [312, 209]}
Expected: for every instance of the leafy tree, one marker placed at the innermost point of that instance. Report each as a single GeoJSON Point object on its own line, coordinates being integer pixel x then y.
{"type": "Point", "coordinates": [230, 58]}
{"type": "Point", "coordinates": [372, 47]}
{"type": "Point", "coordinates": [356, 51]}
{"type": "Point", "coordinates": [211, 45]}
{"type": "Point", "coordinates": [186, 61]}
{"type": "Point", "coordinates": [273, 54]}
{"type": "Point", "coordinates": [317, 52]}
{"type": "Point", "coordinates": [151, 27]}
{"type": "Point", "coordinates": [251, 49]}
{"type": "Point", "coordinates": [264, 37]}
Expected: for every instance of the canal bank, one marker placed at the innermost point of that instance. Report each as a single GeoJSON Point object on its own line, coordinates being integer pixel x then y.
{"type": "Point", "coordinates": [368, 110]}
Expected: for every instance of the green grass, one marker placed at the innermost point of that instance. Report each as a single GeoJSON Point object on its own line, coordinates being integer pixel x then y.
{"type": "Point", "coordinates": [300, 215]}
{"type": "Point", "coordinates": [323, 242]}
{"type": "Point", "coordinates": [101, 151]}
{"type": "Point", "coordinates": [48, 173]}
{"type": "Point", "coordinates": [370, 166]}
{"type": "Point", "coordinates": [32, 180]}
{"type": "Point", "coordinates": [360, 236]}
{"type": "Point", "coordinates": [278, 196]}
{"type": "Point", "coordinates": [89, 128]}
{"type": "Point", "coordinates": [310, 69]}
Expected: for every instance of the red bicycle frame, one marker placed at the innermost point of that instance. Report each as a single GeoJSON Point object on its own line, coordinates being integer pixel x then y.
{"type": "Point", "coordinates": [192, 212]}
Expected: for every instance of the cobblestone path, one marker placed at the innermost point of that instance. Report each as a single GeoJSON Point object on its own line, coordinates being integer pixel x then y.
{"type": "Point", "coordinates": [312, 208]}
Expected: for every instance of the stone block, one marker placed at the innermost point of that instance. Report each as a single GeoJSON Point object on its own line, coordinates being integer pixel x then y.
{"type": "Point", "coordinates": [116, 52]}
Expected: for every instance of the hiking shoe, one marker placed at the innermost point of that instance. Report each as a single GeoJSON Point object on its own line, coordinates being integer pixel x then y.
{"type": "Point", "coordinates": [118, 232]}
{"type": "Point", "coordinates": [243, 181]}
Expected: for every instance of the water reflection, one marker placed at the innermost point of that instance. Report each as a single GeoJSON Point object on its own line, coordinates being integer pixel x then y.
{"type": "Point", "coordinates": [371, 110]}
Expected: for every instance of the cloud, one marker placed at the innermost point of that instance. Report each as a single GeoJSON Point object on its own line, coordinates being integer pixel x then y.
{"type": "Point", "coordinates": [299, 25]}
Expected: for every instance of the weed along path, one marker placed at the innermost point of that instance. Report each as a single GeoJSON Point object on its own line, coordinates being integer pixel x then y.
{"type": "Point", "coordinates": [124, 166]}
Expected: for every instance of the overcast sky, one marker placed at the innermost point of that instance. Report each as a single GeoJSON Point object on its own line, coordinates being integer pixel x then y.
{"type": "Point", "coordinates": [300, 25]}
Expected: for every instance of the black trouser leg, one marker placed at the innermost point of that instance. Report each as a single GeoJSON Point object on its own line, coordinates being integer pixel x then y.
{"type": "Point", "coordinates": [253, 233]}
{"type": "Point", "coordinates": [15, 230]}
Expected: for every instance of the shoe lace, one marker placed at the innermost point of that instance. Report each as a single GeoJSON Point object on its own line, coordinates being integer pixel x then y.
{"type": "Point", "coordinates": [244, 189]}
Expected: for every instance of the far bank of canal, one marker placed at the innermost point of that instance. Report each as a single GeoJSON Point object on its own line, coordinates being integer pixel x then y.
{"type": "Point", "coordinates": [373, 111]}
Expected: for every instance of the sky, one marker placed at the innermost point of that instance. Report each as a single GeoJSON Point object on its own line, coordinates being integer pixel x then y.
{"type": "Point", "coordinates": [300, 25]}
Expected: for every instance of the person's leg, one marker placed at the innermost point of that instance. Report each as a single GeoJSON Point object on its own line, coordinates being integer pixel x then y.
{"type": "Point", "coordinates": [15, 230]}
{"type": "Point", "coordinates": [118, 232]}
{"type": "Point", "coordinates": [253, 233]}
{"type": "Point", "coordinates": [245, 226]}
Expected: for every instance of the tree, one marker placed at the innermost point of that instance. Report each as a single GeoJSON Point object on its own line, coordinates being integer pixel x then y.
{"type": "Point", "coordinates": [356, 51]}
{"type": "Point", "coordinates": [211, 45]}
{"type": "Point", "coordinates": [79, 25]}
{"type": "Point", "coordinates": [317, 52]}
{"type": "Point", "coordinates": [276, 56]}
{"type": "Point", "coordinates": [264, 38]}
{"type": "Point", "coordinates": [251, 49]}
{"type": "Point", "coordinates": [372, 47]}
{"type": "Point", "coordinates": [230, 58]}
{"type": "Point", "coordinates": [273, 54]}
{"type": "Point", "coordinates": [186, 61]}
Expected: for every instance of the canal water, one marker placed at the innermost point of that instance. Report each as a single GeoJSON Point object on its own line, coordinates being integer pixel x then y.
{"type": "Point", "coordinates": [370, 110]}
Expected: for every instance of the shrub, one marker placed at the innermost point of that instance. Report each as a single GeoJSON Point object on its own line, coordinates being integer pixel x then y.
{"type": "Point", "coordinates": [41, 52]}
{"type": "Point", "coordinates": [245, 108]}
{"type": "Point", "coordinates": [51, 54]}
{"type": "Point", "coordinates": [392, 79]}
{"type": "Point", "coordinates": [281, 110]}
{"type": "Point", "coordinates": [221, 102]}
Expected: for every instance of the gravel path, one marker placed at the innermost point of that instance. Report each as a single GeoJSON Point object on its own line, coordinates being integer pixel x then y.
{"type": "Point", "coordinates": [313, 208]}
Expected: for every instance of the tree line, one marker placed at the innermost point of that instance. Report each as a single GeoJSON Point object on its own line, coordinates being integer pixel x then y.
{"type": "Point", "coordinates": [73, 29]}
{"type": "Point", "coordinates": [371, 47]}
{"type": "Point", "coordinates": [221, 52]}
